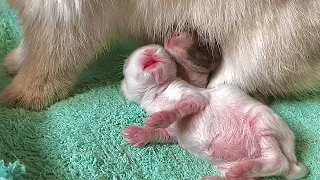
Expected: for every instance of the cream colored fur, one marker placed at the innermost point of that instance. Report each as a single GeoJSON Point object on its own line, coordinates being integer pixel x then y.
{"type": "Point", "coordinates": [270, 46]}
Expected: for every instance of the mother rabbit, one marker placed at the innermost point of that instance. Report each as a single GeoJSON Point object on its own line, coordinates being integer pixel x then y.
{"type": "Point", "coordinates": [270, 47]}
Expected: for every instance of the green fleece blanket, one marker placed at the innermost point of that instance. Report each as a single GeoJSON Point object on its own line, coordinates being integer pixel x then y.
{"type": "Point", "coordinates": [81, 137]}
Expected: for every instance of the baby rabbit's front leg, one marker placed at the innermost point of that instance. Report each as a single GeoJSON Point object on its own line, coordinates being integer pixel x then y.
{"type": "Point", "coordinates": [188, 105]}
{"type": "Point", "coordinates": [140, 136]}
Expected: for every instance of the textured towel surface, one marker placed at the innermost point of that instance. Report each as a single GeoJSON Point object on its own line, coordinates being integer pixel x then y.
{"type": "Point", "coordinates": [80, 137]}
{"type": "Point", "coordinates": [13, 171]}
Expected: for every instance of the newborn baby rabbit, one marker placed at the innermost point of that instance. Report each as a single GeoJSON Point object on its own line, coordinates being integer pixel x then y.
{"type": "Point", "coordinates": [195, 58]}
{"type": "Point", "coordinates": [242, 137]}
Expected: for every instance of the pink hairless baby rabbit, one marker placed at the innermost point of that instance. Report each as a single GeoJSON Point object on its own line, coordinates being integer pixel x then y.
{"type": "Point", "coordinates": [244, 138]}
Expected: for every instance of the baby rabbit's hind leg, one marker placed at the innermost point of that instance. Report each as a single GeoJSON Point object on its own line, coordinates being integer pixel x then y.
{"type": "Point", "coordinates": [297, 170]}
{"type": "Point", "coordinates": [271, 163]}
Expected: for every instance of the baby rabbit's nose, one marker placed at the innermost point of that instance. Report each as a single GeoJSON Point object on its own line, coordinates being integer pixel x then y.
{"type": "Point", "coordinates": [149, 52]}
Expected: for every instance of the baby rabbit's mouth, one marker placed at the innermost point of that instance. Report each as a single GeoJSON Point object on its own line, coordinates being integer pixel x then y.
{"type": "Point", "coordinates": [151, 58]}
{"type": "Point", "coordinates": [150, 63]}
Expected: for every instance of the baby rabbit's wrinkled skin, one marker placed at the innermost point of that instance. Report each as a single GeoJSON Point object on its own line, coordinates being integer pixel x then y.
{"type": "Point", "coordinates": [241, 136]}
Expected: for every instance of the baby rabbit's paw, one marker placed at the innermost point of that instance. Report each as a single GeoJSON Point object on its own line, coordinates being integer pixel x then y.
{"type": "Point", "coordinates": [137, 136]}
